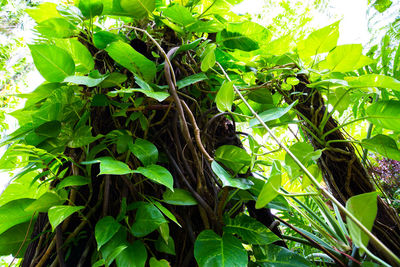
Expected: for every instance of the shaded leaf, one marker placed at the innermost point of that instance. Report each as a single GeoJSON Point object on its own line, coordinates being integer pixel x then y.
{"type": "Point", "coordinates": [272, 114]}
{"type": "Point", "coordinates": [233, 157]}
{"type": "Point", "coordinates": [57, 214]}
{"type": "Point", "coordinates": [148, 218]}
{"type": "Point", "coordinates": [270, 189]}
{"type": "Point", "coordinates": [13, 213]}
{"type": "Point", "coordinates": [228, 180]}
{"type": "Point", "coordinates": [385, 114]}
{"type": "Point", "coordinates": [384, 145]}
{"type": "Point", "coordinates": [157, 174]}
{"type": "Point", "coordinates": [105, 229]}
{"type": "Point", "coordinates": [74, 180]}
{"type": "Point", "coordinates": [135, 255]}
{"type": "Point", "coordinates": [179, 197]}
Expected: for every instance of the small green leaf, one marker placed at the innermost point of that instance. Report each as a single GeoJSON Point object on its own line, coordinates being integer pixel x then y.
{"type": "Point", "coordinates": [82, 137]}
{"type": "Point", "coordinates": [109, 165]}
{"type": "Point", "coordinates": [158, 263]}
{"type": "Point", "coordinates": [85, 80]}
{"type": "Point", "coordinates": [148, 218]}
{"type": "Point", "coordinates": [56, 27]}
{"type": "Point", "coordinates": [148, 91]}
{"type": "Point", "coordinates": [105, 229]}
{"type": "Point", "coordinates": [84, 62]}
{"type": "Point", "coordinates": [135, 255]}
{"type": "Point", "coordinates": [129, 58]}
{"type": "Point", "coordinates": [157, 174]}
{"type": "Point", "coordinates": [115, 79]}
{"type": "Point", "coordinates": [179, 197]}
{"type": "Point", "coordinates": [385, 114]}
{"type": "Point", "coordinates": [228, 180]}
{"type": "Point", "coordinates": [53, 63]}
{"type": "Point", "coordinates": [364, 207]}
{"type": "Point", "coordinates": [250, 230]}
{"type": "Point", "coordinates": [49, 129]}
{"type": "Point", "coordinates": [74, 180]}
{"type": "Point", "coordinates": [224, 98]}
{"type": "Point", "coordinates": [233, 157]}
{"type": "Point", "coordinates": [179, 14]}
{"type": "Point", "coordinates": [166, 212]}
{"type": "Point", "coordinates": [102, 39]}
{"type": "Point", "coordinates": [195, 78]}
{"type": "Point", "coordinates": [57, 214]}
{"type": "Point", "coordinates": [166, 247]}
{"type": "Point", "coordinates": [273, 255]}
{"type": "Point", "coordinates": [272, 114]}
{"type": "Point", "coordinates": [136, 8]}
{"type": "Point", "coordinates": [384, 145]}
{"type": "Point", "coordinates": [271, 187]}
{"type": "Point", "coordinates": [212, 250]}
{"type": "Point", "coordinates": [382, 5]}
{"type": "Point", "coordinates": [208, 59]}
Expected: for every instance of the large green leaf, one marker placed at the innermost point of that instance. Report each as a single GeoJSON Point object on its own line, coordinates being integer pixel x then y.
{"type": "Point", "coordinates": [233, 157]}
{"type": "Point", "coordinates": [102, 39]}
{"type": "Point", "coordinates": [157, 174]}
{"type": "Point", "coordinates": [180, 15]}
{"type": "Point", "coordinates": [57, 214]}
{"type": "Point", "coordinates": [56, 27]}
{"type": "Point", "coordinates": [82, 137]}
{"type": "Point", "coordinates": [49, 129]}
{"type": "Point", "coordinates": [179, 197]}
{"type": "Point", "coordinates": [146, 89]}
{"type": "Point", "coordinates": [195, 78]}
{"type": "Point", "coordinates": [129, 58]}
{"type": "Point", "coordinates": [148, 218]}
{"type": "Point", "coordinates": [212, 250]}
{"type": "Point", "coordinates": [84, 62]}
{"type": "Point", "coordinates": [385, 114]}
{"type": "Point", "coordinates": [228, 180]}
{"type": "Point", "coordinates": [13, 213]}
{"type": "Point", "coordinates": [43, 12]}
{"type": "Point", "coordinates": [249, 229]}
{"type": "Point", "coordinates": [208, 57]}
{"type": "Point", "coordinates": [134, 8]}
{"type": "Point", "coordinates": [53, 63]}
{"type": "Point", "coordinates": [303, 152]}
{"type": "Point", "coordinates": [345, 58]}
{"type": "Point", "coordinates": [320, 41]}
{"type": "Point", "coordinates": [270, 189]}
{"type": "Point", "coordinates": [272, 255]}
{"type": "Point", "coordinates": [374, 80]}
{"type": "Point", "coordinates": [135, 255]}
{"type": "Point", "coordinates": [384, 145]}
{"type": "Point", "coordinates": [91, 8]}
{"type": "Point", "coordinates": [271, 114]}
{"type": "Point", "coordinates": [224, 98]}
{"type": "Point", "coordinates": [74, 180]}
{"type": "Point", "coordinates": [12, 239]}
{"type": "Point", "coordinates": [44, 202]}
{"type": "Point", "coordinates": [105, 229]}
{"type": "Point", "coordinates": [166, 247]}
{"type": "Point", "coordinates": [364, 207]}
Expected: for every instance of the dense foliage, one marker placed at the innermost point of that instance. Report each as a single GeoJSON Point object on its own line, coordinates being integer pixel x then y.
{"type": "Point", "coordinates": [129, 154]}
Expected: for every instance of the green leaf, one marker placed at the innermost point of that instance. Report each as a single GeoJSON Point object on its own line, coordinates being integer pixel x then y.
{"type": "Point", "coordinates": [44, 202]}
{"type": "Point", "coordinates": [212, 250]}
{"type": "Point", "coordinates": [84, 62]}
{"type": "Point", "coordinates": [383, 145]}
{"type": "Point", "coordinates": [148, 218]}
{"type": "Point", "coordinates": [57, 214]}
{"type": "Point", "coordinates": [135, 255]}
{"type": "Point", "coordinates": [158, 263]}
{"type": "Point", "coordinates": [233, 157]}
{"type": "Point", "coordinates": [385, 114]}
{"type": "Point", "coordinates": [382, 5]}
{"type": "Point", "coordinates": [374, 80]}
{"type": "Point", "coordinates": [364, 207]}
{"type": "Point", "coordinates": [162, 246]}
{"type": "Point", "coordinates": [271, 187]}
{"type": "Point", "coordinates": [56, 27]}
{"type": "Point", "coordinates": [115, 246]}
{"type": "Point", "coordinates": [82, 137]}
{"type": "Point", "coordinates": [148, 91]}
{"type": "Point", "coordinates": [13, 213]}
{"type": "Point", "coordinates": [115, 79]}
{"type": "Point", "coordinates": [49, 129]}
{"type": "Point", "coordinates": [129, 58]}
{"type": "Point", "coordinates": [53, 63]}
{"type": "Point", "coordinates": [228, 180]}
{"type": "Point", "coordinates": [224, 98]}
{"type": "Point", "coordinates": [85, 80]}
{"type": "Point", "coordinates": [109, 165]}
{"type": "Point", "coordinates": [320, 41]}
{"type": "Point", "coordinates": [102, 39]}
{"type": "Point", "coordinates": [157, 174]}
{"type": "Point", "coordinates": [43, 12]}
{"type": "Point", "coordinates": [272, 114]}
{"type": "Point", "coordinates": [135, 8]}
{"type": "Point", "coordinates": [105, 229]}
{"type": "Point", "coordinates": [273, 255]}
{"type": "Point", "coordinates": [345, 58]}
{"type": "Point", "coordinates": [303, 152]}
{"type": "Point", "coordinates": [91, 8]}
{"type": "Point", "coordinates": [208, 59]}
{"type": "Point", "coordinates": [250, 230]}
{"type": "Point", "coordinates": [180, 15]}
{"type": "Point", "coordinates": [192, 79]}
{"type": "Point", "coordinates": [179, 197]}
{"type": "Point", "coordinates": [74, 180]}
{"type": "Point", "coordinates": [235, 40]}
{"type": "Point", "coordinates": [166, 212]}
{"type": "Point", "coordinates": [12, 239]}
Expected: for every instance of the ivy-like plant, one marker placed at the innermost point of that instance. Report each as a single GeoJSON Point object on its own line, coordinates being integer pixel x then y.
{"type": "Point", "coordinates": [129, 154]}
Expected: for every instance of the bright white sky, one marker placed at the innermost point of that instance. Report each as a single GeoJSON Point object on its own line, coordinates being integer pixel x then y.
{"type": "Point", "coordinates": [353, 26]}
